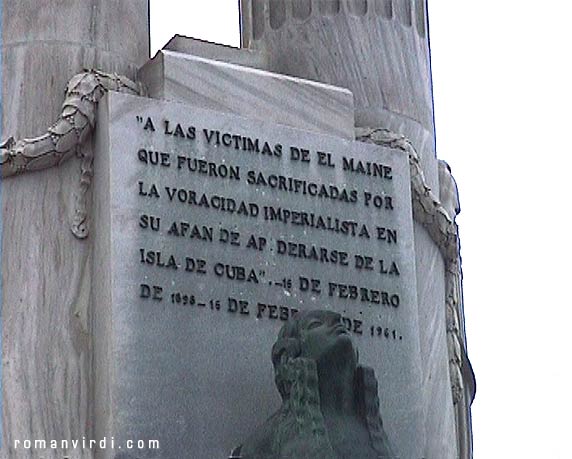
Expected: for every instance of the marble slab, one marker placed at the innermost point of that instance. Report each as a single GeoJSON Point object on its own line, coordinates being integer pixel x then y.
{"type": "Point", "coordinates": [262, 95]}
{"type": "Point", "coordinates": [212, 230]}
{"type": "Point", "coordinates": [215, 51]}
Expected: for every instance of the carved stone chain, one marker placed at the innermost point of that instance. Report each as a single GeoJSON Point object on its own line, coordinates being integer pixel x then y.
{"type": "Point", "coordinates": [429, 212]}
{"type": "Point", "coordinates": [66, 136]}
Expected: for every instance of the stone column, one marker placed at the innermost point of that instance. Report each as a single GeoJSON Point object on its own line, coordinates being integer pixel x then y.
{"type": "Point", "coordinates": [379, 49]}
{"type": "Point", "coordinates": [376, 48]}
{"type": "Point", "coordinates": [46, 271]}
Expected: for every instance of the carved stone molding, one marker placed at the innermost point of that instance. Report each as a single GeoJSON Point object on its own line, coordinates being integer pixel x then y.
{"type": "Point", "coordinates": [66, 136]}
{"type": "Point", "coordinates": [429, 212]}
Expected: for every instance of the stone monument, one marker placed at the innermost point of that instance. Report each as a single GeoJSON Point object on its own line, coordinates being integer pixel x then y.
{"type": "Point", "coordinates": [216, 194]}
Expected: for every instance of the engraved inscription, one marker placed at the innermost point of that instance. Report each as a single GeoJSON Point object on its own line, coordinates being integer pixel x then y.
{"type": "Point", "coordinates": [274, 223]}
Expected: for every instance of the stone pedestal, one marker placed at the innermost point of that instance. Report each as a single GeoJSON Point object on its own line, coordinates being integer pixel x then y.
{"type": "Point", "coordinates": [191, 292]}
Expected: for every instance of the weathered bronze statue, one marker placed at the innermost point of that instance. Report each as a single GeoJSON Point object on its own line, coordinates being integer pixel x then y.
{"type": "Point", "coordinates": [330, 407]}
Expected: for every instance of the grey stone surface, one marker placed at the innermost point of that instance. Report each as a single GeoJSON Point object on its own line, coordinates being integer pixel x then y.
{"type": "Point", "coordinates": [437, 246]}
{"type": "Point", "coordinates": [380, 51]}
{"type": "Point", "coordinates": [249, 92]}
{"type": "Point", "coordinates": [46, 303]}
{"type": "Point", "coordinates": [200, 368]}
{"type": "Point", "coordinates": [119, 28]}
{"type": "Point", "coordinates": [46, 271]}
{"type": "Point", "coordinates": [201, 48]}
{"type": "Point", "coordinates": [440, 421]}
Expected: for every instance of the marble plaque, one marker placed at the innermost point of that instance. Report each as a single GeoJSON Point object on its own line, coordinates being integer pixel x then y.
{"type": "Point", "coordinates": [211, 230]}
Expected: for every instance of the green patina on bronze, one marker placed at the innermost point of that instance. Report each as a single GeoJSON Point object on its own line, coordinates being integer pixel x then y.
{"type": "Point", "coordinates": [330, 406]}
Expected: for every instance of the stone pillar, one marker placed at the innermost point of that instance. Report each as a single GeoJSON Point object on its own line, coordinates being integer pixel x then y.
{"type": "Point", "coordinates": [376, 48]}
{"type": "Point", "coordinates": [46, 271]}
{"type": "Point", "coordinates": [379, 49]}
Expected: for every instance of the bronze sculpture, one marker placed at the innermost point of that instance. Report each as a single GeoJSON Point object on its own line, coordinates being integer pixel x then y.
{"type": "Point", "coordinates": [330, 407]}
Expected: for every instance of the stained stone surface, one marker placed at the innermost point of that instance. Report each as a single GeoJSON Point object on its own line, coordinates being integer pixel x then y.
{"type": "Point", "coordinates": [188, 366]}
{"type": "Point", "coordinates": [255, 93]}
